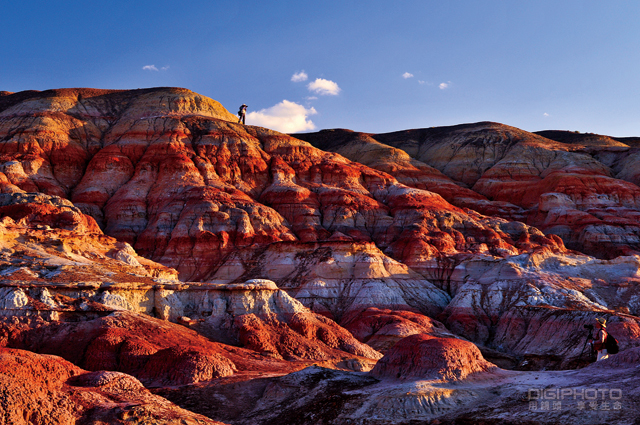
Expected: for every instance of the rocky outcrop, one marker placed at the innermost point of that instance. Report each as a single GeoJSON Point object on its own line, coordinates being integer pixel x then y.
{"type": "Point", "coordinates": [381, 329]}
{"type": "Point", "coordinates": [52, 211]}
{"type": "Point", "coordinates": [255, 315]}
{"type": "Point", "coordinates": [45, 389]}
{"type": "Point", "coordinates": [290, 255]}
{"type": "Point", "coordinates": [156, 352]}
{"type": "Point", "coordinates": [45, 240]}
{"type": "Point", "coordinates": [423, 356]}
{"type": "Point", "coordinates": [336, 278]}
{"type": "Point", "coordinates": [581, 187]}
{"type": "Point", "coordinates": [168, 172]}
{"type": "Point", "coordinates": [259, 316]}
{"type": "Point", "coordinates": [492, 397]}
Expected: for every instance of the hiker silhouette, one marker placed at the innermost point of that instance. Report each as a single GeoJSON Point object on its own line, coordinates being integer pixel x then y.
{"type": "Point", "coordinates": [242, 112]}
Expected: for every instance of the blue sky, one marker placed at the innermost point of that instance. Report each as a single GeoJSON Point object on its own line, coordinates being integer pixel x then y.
{"type": "Point", "coordinates": [536, 65]}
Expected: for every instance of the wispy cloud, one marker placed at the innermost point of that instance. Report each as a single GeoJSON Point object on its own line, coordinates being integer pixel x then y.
{"type": "Point", "coordinates": [407, 75]}
{"type": "Point", "coordinates": [444, 86]}
{"type": "Point", "coordinates": [299, 76]}
{"type": "Point", "coordinates": [545, 115]}
{"type": "Point", "coordinates": [324, 87]}
{"type": "Point", "coordinates": [286, 116]}
{"type": "Point", "coordinates": [154, 68]}
{"type": "Point", "coordinates": [422, 82]}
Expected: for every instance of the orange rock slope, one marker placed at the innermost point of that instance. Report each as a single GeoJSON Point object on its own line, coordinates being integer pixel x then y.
{"type": "Point", "coordinates": [580, 187]}
{"type": "Point", "coordinates": [271, 253]}
{"type": "Point", "coordinates": [166, 171]}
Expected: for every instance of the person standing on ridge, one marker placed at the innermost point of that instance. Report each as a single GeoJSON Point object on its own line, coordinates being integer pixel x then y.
{"type": "Point", "coordinates": [599, 344]}
{"type": "Point", "coordinates": [242, 112]}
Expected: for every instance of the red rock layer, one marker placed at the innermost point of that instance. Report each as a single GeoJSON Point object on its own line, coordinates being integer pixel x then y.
{"type": "Point", "coordinates": [426, 357]}
{"type": "Point", "coordinates": [582, 188]}
{"type": "Point", "coordinates": [556, 337]}
{"type": "Point", "coordinates": [45, 240]}
{"type": "Point", "coordinates": [382, 329]}
{"type": "Point", "coordinates": [41, 389]}
{"type": "Point", "coordinates": [168, 172]}
{"type": "Point", "coordinates": [157, 352]}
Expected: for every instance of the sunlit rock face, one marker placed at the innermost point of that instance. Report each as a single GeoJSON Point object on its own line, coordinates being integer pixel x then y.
{"type": "Point", "coordinates": [423, 356]}
{"type": "Point", "coordinates": [383, 328]}
{"type": "Point", "coordinates": [581, 187]}
{"type": "Point", "coordinates": [146, 233]}
{"type": "Point", "coordinates": [257, 315]}
{"type": "Point", "coordinates": [46, 242]}
{"type": "Point", "coordinates": [172, 174]}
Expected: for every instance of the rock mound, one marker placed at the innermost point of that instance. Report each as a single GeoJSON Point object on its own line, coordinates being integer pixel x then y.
{"type": "Point", "coordinates": [154, 351]}
{"type": "Point", "coordinates": [381, 329]}
{"type": "Point", "coordinates": [43, 389]}
{"type": "Point", "coordinates": [426, 357]}
{"type": "Point", "coordinates": [259, 316]}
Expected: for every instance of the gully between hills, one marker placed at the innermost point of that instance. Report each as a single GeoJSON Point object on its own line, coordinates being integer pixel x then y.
{"type": "Point", "coordinates": [160, 263]}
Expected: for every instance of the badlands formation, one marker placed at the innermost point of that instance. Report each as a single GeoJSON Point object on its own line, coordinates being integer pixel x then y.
{"type": "Point", "coordinates": [160, 263]}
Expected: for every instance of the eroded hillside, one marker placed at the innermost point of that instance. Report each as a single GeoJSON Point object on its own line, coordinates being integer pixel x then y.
{"type": "Point", "coordinates": [147, 234]}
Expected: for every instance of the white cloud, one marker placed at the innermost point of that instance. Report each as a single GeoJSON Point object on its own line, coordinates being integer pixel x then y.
{"type": "Point", "coordinates": [407, 75]}
{"type": "Point", "coordinates": [446, 85]}
{"type": "Point", "coordinates": [299, 76]}
{"type": "Point", "coordinates": [422, 82]}
{"type": "Point", "coordinates": [311, 97]}
{"type": "Point", "coordinates": [545, 114]}
{"type": "Point", "coordinates": [324, 87]}
{"type": "Point", "coordinates": [286, 117]}
{"type": "Point", "coordinates": [154, 68]}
